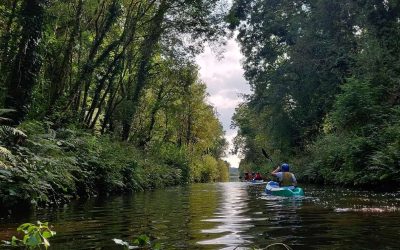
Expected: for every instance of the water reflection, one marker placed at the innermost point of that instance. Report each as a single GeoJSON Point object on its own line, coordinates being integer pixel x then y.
{"type": "Point", "coordinates": [231, 217]}
{"type": "Point", "coordinates": [247, 217]}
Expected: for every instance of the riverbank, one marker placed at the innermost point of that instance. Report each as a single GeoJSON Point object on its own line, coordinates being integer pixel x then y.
{"type": "Point", "coordinates": [42, 166]}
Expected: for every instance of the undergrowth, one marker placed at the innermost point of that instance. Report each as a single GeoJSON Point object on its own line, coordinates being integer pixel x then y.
{"type": "Point", "coordinates": [43, 166]}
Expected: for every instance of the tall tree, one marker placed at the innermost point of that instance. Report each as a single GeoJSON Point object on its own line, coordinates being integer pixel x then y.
{"type": "Point", "coordinates": [27, 63]}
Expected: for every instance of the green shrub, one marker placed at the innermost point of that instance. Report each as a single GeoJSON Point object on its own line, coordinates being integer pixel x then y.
{"type": "Point", "coordinates": [51, 167]}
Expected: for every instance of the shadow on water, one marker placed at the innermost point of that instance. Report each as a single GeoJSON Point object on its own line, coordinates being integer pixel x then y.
{"type": "Point", "coordinates": [225, 216]}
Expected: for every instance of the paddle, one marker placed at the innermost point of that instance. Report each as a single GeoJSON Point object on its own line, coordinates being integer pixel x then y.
{"type": "Point", "coordinates": [267, 156]}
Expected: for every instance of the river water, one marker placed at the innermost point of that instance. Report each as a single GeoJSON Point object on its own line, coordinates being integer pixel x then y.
{"type": "Point", "coordinates": [230, 215]}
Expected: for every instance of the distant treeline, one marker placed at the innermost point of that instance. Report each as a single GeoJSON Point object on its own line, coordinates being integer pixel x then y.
{"type": "Point", "coordinates": [325, 77]}
{"type": "Point", "coordinates": [105, 95]}
{"type": "Point", "coordinates": [234, 171]}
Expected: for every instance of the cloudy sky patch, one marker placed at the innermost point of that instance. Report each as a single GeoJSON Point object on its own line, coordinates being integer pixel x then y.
{"type": "Point", "coordinates": [224, 99]}
{"type": "Point", "coordinates": [225, 84]}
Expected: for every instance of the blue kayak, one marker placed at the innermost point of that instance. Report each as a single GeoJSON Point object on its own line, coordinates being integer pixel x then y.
{"type": "Point", "coordinates": [273, 188]}
{"type": "Point", "coordinates": [257, 182]}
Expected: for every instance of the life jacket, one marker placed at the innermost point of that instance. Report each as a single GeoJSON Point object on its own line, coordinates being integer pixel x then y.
{"type": "Point", "coordinates": [286, 179]}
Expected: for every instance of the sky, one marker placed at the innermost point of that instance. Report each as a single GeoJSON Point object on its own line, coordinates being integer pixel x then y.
{"type": "Point", "coordinates": [225, 84]}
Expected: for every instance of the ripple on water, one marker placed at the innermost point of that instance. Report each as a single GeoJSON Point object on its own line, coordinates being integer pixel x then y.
{"type": "Point", "coordinates": [226, 216]}
{"type": "Point", "coordinates": [368, 210]}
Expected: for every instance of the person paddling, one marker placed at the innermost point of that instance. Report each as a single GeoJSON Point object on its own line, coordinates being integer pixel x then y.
{"type": "Point", "coordinates": [285, 177]}
{"type": "Point", "coordinates": [258, 177]}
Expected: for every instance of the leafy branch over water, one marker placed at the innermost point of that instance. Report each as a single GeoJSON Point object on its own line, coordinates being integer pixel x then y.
{"type": "Point", "coordinates": [35, 236]}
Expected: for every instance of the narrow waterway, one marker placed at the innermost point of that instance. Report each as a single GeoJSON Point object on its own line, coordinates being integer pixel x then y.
{"type": "Point", "coordinates": [225, 216]}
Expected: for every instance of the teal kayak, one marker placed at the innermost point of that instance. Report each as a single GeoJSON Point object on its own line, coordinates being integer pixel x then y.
{"type": "Point", "coordinates": [273, 188]}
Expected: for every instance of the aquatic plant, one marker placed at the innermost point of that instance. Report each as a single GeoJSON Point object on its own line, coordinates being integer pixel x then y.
{"type": "Point", "coordinates": [35, 236]}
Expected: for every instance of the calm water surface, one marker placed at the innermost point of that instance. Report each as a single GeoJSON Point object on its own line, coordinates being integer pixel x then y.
{"type": "Point", "coordinates": [226, 216]}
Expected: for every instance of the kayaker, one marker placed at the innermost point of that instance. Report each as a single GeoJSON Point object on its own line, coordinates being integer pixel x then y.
{"type": "Point", "coordinates": [246, 176]}
{"type": "Point", "coordinates": [258, 177]}
{"type": "Point", "coordinates": [285, 177]}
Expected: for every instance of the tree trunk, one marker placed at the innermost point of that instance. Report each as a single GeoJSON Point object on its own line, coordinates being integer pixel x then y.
{"type": "Point", "coordinates": [147, 50]}
{"type": "Point", "coordinates": [57, 85]}
{"type": "Point", "coordinates": [89, 66]}
{"type": "Point", "coordinates": [27, 65]}
{"type": "Point", "coordinates": [153, 113]}
{"type": "Point", "coordinates": [6, 38]}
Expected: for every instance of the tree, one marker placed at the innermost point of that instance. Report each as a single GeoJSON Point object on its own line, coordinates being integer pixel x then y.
{"type": "Point", "coordinates": [323, 75]}
{"type": "Point", "coordinates": [27, 63]}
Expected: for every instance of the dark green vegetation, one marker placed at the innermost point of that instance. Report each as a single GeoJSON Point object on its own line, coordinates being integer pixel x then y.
{"type": "Point", "coordinates": [104, 96]}
{"type": "Point", "coordinates": [326, 82]}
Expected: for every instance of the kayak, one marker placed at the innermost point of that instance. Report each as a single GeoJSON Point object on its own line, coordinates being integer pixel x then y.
{"type": "Point", "coordinates": [255, 182]}
{"type": "Point", "coordinates": [273, 188]}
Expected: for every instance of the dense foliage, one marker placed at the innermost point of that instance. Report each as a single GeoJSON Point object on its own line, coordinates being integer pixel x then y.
{"type": "Point", "coordinates": [325, 76]}
{"type": "Point", "coordinates": [105, 96]}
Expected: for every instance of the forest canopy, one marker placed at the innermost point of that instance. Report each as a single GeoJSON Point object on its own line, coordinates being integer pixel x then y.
{"type": "Point", "coordinates": [79, 78]}
{"type": "Point", "coordinates": [325, 77]}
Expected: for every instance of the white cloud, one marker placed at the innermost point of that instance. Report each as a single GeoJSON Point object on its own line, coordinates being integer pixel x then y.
{"type": "Point", "coordinates": [233, 160]}
{"type": "Point", "coordinates": [223, 101]}
{"type": "Point", "coordinates": [225, 84]}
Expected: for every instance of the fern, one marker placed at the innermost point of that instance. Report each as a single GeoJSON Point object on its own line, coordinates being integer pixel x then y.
{"type": "Point", "coordinates": [5, 119]}
{"type": "Point", "coordinates": [5, 111]}
{"type": "Point", "coordinates": [11, 135]}
{"type": "Point", "coordinates": [8, 131]}
{"type": "Point", "coordinates": [3, 165]}
{"type": "Point", "coordinates": [6, 154]}
{"type": "Point", "coordinates": [6, 157]}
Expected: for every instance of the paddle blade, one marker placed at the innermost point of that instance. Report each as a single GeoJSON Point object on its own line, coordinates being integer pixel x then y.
{"type": "Point", "coordinates": [266, 155]}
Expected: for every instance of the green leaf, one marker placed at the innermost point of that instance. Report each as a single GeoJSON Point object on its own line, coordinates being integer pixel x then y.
{"type": "Point", "coordinates": [34, 240]}
{"type": "Point", "coordinates": [25, 239]}
{"type": "Point", "coordinates": [14, 241]}
{"type": "Point", "coordinates": [24, 226]}
{"type": "Point", "coordinates": [157, 246]}
{"type": "Point", "coordinates": [47, 234]}
{"type": "Point", "coordinates": [31, 229]}
{"type": "Point", "coordinates": [142, 240]}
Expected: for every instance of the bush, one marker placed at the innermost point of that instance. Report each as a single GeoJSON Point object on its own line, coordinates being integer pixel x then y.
{"type": "Point", "coordinates": [52, 167]}
{"type": "Point", "coordinates": [356, 160]}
